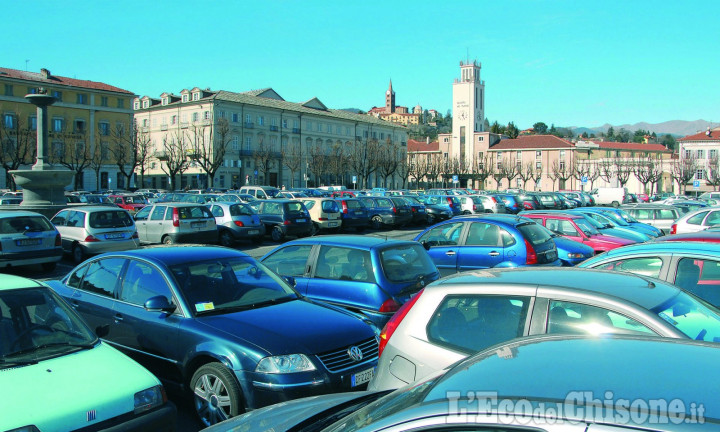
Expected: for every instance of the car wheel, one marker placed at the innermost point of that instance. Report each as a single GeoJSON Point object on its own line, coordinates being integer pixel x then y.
{"type": "Point", "coordinates": [216, 393]}
{"type": "Point", "coordinates": [78, 254]}
{"type": "Point", "coordinates": [315, 229]}
{"type": "Point", "coordinates": [167, 240]}
{"type": "Point", "coordinates": [277, 234]}
{"type": "Point", "coordinates": [226, 238]}
{"type": "Point", "coordinates": [48, 267]}
{"type": "Point", "coordinates": [376, 222]}
{"type": "Point", "coordinates": [467, 212]}
{"type": "Point", "coordinates": [615, 204]}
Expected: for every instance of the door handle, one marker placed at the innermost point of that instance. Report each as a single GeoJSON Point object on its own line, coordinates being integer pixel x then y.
{"type": "Point", "coordinates": [74, 304]}
{"type": "Point", "coordinates": [450, 253]}
{"type": "Point", "coordinates": [118, 317]}
{"type": "Point", "coordinates": [493, 253]}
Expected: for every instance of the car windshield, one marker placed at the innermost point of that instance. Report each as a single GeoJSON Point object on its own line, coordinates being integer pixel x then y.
{"type": "Point", "coordinates": [110, 219]}
{"type": "Point", "coordinates": [130, 199]}
{"type": "Point", "coordinates": [694, 318]}
{"type": "Point", "coordinates": [406, 263]}
{"type": "Point", "coordinates": [626, 217]}
{"type": "Point", "coordinates": [229, 284]}
{"type": "Point", "coordinates": [272, 193]}
{"type": "Point", "coordinates": [587, 228]}
{"type": "Point", "coordinates": [36, 325]}
{"type": "Point", "coordinates": [22, 224]}
{"type": "Point", "coordinates": [412, 200]}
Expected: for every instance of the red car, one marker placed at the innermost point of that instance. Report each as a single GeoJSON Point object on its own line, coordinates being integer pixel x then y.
{"type": "Point", "coordinates": [643, 197]}
{"type": "Point", "coordinates": [129, 202]}
{"type": "Point", "coordinates": [578, 229]}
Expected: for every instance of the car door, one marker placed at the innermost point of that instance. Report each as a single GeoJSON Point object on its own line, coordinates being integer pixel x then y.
{"type": "Point", "coordinates": [59, 221]}
{"type": "Point", "coordinates": [296, 261]}
{"type": "Point", "coordinates": [141, 222]}
{"type": "Point", "coordinates": [482, 247]}
{"type": "Point", "coordinates": [697, 274]}
{"type": "Point", "coordinates": [566, 316]}
{"type": "Point", "coordinates": [157, 221]}
{"type": "Point", "coordinates": [144, 334]}
{"type": "Point", "coordinates": [444, 244]}
{"type": "Point", "coordinates": [712, 219]}
{"type": "Point", "coordinates": [94, 297]}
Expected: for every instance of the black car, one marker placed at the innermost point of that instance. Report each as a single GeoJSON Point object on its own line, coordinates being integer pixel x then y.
{"type": "Point", "coordinates": [217, 324]}
{"type": "Point", "coordinates": [283, 217]}
{"type": "Point", "coordinates": [418, 210]}
{"type": "Point", "coordinates": [353, 213]}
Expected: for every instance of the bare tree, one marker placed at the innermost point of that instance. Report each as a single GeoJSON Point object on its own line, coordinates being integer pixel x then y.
{"type": "Point", "coordinates": [98, 157]}
{"type": "Point", "coordinates": [403, 170]}
{"type": "Point", "coordinates": [713, 172]}
{"type": "Point", "coordinates": [684, 170]}
{"type": "Point", "coordinates": [623, 168]}
{"type": "Point", "coordinates": [337, 162]}
{"type": "Point", "coordinates": [526, 173]}
{"type": "Point", "coordinates": [562, 172]}
{"type": "Point", "coordinates": [18, 146]}
{"type": "Point", "coordinates": [648, 171]}
{"type": "Point", "coordinates": [292, 157]}
{"type": "Point", "coordinates": [606, 169]}
{"type": "Point", "coordinates": [70, 150]}
{"type": "Point", "coordinates": [388, 161]}
{"type": "Point", "coordinates": [209, 144]}
{"type": "Point", "coordinates": [434, 168]}
{"type": "Point", "coordinates": [174, 155]}
{"type": "Point", "coordinates": [508, 169]}
{"type": "Point", "coordinates": [263, 156]}
{"type": "Point", "coordinates": [143, 144]}
{"type": "Point", "coordinates": [124, 151]}
{"type": "Point", "coordinates": [482, 168]}
{"type": "Point", "coordinates": [363, 158]}
{"type": "Point", "coordinates": [319, 162]}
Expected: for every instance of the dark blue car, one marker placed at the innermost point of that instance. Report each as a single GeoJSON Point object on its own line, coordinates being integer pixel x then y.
{"type": "Point", "coordinates": [365, 274]}
{"type": "Point", "coordinates": [477, 242]}
{"type": "Point", "coordinates": [220, 326]}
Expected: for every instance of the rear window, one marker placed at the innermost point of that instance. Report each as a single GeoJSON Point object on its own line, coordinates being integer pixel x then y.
{"type": "Point", "coordinates": [352, 204]}
{"type": "Point", "coordinates": [406, 263]}
{"type": "Point", "coordinates": [295, 207]}
{"type": "Point", "coordinates": [534, 233]}
{"type": "Point", "coordinates": [109, 219]}
{"type": "Point", "coordinates": [241, 210]}
{"type": "Point", "coordinates": [21, 224]}
{"type": "Point", "coordinates": [330, 207]}
{"type": "Point", "coordinates": [666, 214]}
{"type": "Point", "coordinates": [199, 212]}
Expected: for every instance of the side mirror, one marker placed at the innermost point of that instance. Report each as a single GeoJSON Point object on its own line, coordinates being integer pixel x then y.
{"type": "Point", "coordinates": [159, 304]}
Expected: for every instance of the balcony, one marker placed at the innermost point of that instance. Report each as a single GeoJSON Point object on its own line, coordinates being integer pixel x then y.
{"type": "Point", "coordinates": [273, 128]}
{"type": "Point", "coordinates": [296, 130]}
{"type": "Point", "coordinates": [184, 125]}
{"type": "Point", "coordinates": [249, 125]}
{"type": "Point", "coordinates": [163, 127]}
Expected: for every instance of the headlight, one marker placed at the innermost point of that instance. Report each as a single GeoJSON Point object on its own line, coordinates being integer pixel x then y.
{"type": "Point", "coordinates": [150, 398]}
{"type": "Point", "coordinates": [576, 255]}
{"type": "Point", "coordinates": [285, 364]}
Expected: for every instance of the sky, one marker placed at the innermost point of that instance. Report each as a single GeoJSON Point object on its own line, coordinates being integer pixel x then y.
{"type": "Point", "coordinates": [567, 63]}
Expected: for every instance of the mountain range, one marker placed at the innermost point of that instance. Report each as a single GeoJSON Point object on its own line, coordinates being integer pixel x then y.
{"type": "Point", "coordinates": [676, 128]}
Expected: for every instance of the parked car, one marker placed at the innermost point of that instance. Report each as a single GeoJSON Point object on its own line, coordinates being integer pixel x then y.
{"type": "Point", "coordinates": [623, 373]}
{"type": "Point", "coordinates": [448, 202]}
{"type": "Point", "coordinates": [711, 234]}
{"type": "Point", "coordinates": [129, 202]}
{"type": "Point", "coordinates": [261, 192]}
{"type": "Point", "coordinates": [434, 212]}
{"type": "Point", "coordinates": [417, 208]}
{"type": "Point", "coordinates": [176, 222]}
{"type": "Point", "coordinates": [76, 382]}
{"type": "Point", "coordinates": [512, 202]}
{"type": "Point", "coordinates": [91, 230]}
{"type": "Point", "coordinates": [28, 238]}
{"type": "Point", "coordinates": [10, 200]}
{"type": "Point", "coordinates": [460, 315]}
{"type": "Point", "coordinates": [621, 218]}
{"type": "Point", "coordinates": [216, 324]}
{"type": "Point", "coordinates": [697, 220]}
{"type": "Point", "coordinates": [283, 217]}
{"type": "Point", "coordinates": [365, 274]}
{"type": "Point", "coordinates": [353, 214]}
{"type": "Point", "coordinates": [475, 242]}
{"type": "Point", "coordinates": [96, 199]}
{"type": "Point", "coordinates": [387, 211]}
{"type": "Point", "coordinates": [237, 221]}
{"type": "Point", "coordinates": [570, 252]}
{"type": "Point", "coordinates": [477, 204]}
{"type": "Point", "coordinates": [576, 227]}
{"type": "Point", "coordinates": [610, 196]}
{"type": "Point", "coordinates": [325, 214]}
{"type": "Point", "coordinates": [691, 265]}
{"type": "Point", "coordinates": [291, 195]}
{"type": "Point", "coordinates": [661, 216]}
{"type": "Point", "coordinates": [608, 226]}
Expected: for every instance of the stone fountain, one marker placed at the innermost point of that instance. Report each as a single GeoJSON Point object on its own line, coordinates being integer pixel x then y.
{"type": "Point", "coordinates": [43, 187]}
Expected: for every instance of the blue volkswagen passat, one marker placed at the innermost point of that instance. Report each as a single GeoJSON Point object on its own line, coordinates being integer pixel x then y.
{"type": "Point", "coordinates": [219, 325]}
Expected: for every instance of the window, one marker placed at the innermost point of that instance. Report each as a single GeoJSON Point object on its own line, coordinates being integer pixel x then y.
{"type": "Point", "coordinates": [136, 105]}
{"type": "Point", "coordinates": [445, 235]}
{"type": "Point", "coordinates": [481, 139]}
{"type": "Point", "coordinates": [712, 154]}
{"type": "Point", "coordinates": [234, 143]}
{"type": "Point", "coordinates": [82, 98]}
{"type": "Point", "coordinates": [562, 165]}
{"type": "Point", "coordinates": [79, 126]}
{"type": "Point", "coordinates": [9, 121]}
{"type": "Point", "coordinates": [261, 120]}
{"type": "Point", "coordinates": [562, 154]}
{"type": "Point", "coordinates": [206, 115]}
{"type": "Point", "coordinates": [688, 154]}
{"type": "Point", "coordinates": [538, 154]}
{"type": "Point", "coordinates": [32, 123]}
{"type": "Point", "coordinates": [8, 90]}
{"type": "Point", "coordinates": [575, 318]}
{"type": "Point", "coordinates": [173, 120]}
{"type": "Point", "coordinates": [196, 96]}
{"type": "Point", "coordinates": [235, 117]}
{"type": "Point", "coordinates": [121, 103]}
{"type": "Point", "coordinates": [291, 261]}
{"type": "Point", "coordinates": [273, 121]}
{"type": "Point", "coordinates": [195, 116]}
{"type": "Point", "coordinates": [32, 90]}
{"type": "Point", "coordinates": [146, 104]}
{"type": "Point", "coordinates": [58, 125]}
{"type": "Point", "coordinates": [141, 282]}
{"type": "Point", "coordinates": [296, 124]}
{"type": "Point", "coordinates": [185, 98]}
{"type": "Point", "coordinates": [164, 101]}
{"type": "Point", "coordinates": [470, 323]}
{"type": "Point", "coordinates": [104, 101]}
{"type": "Point", "coordinates": [697, 219]}
{"type": "Point", "coordinates": [102, 275]}
{"type": "Point", "coordinates": [284, 123]}
{"type": "Point", "coordinates": [608, 153]}
{"type": "Point", "coordinates": [57, 95]}
{"type": "Point", "coordinates": [617, 153]}
{"type": "Point", "coordinates": [646, 266]}
{"type": "Point", "coordinates": [700, 277]}
{"type": "Point", "coordinates": [221, 114]}
{"type": "Point", "coordinates": [538, 165]}
{"type": "Point", "coordinates": [700, 174]}
{"type": "Point", "coordinates": [104, 128]}
{"type": "Point", "coordinates": [701, 154]}
{"type": "Point", "coordinates": [248, 118]}
{"type": "Point", "coordinates": [248, 143]}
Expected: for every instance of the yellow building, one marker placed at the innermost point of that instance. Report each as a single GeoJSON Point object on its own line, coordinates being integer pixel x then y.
{"type": "Point", "coordinates": [85, 122]}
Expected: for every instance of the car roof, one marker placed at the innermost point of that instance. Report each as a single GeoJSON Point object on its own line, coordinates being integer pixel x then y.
{"type": "Point", "coordinates": [666, 246]}
{"type": "Point", "coordinates": [700, 236]}
{"type": "Point", "coordinates": [629, 368]}
{"type": "Point", "coordinates": [12, 213]}
{"type": "Point", "coordinates": [643, 291]}
{"type": "Point", "coordinates": [178, 254]}
{"type": "Point", "coordinates": [354, 240]}
{"type": "Point", "coordinates": [93, 208]}
{"type": "Point", "coordinates": [8, 282]}
{"type": "Point", "coordinates": [500, 219]}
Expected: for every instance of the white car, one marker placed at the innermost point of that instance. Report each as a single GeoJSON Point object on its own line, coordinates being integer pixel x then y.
{"type": "Point", "coordinates": [28, 238]}
{"type": "Point", "coordinates": [696, 221]}
{"type": "Point", "coordinates": [474, 204]}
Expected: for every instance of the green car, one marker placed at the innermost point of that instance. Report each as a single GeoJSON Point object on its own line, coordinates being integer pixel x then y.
{"type": "Point", "coordinates": [57, 375]}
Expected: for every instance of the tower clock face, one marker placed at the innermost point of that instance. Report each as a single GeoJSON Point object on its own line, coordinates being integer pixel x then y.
{"type": "Point", "coordinates": [463, 115]}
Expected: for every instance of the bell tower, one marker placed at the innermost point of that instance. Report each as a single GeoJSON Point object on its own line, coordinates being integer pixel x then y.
{"type": "Point", "coordinates": [390, 99]}
{"type": "Point", "coordinates": [468, 109]}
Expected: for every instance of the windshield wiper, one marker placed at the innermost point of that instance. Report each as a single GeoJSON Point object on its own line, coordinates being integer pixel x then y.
{"type": "Point", "coordinates": [50, 345]}
{"type": "Point", "coordinates": [13, 363]}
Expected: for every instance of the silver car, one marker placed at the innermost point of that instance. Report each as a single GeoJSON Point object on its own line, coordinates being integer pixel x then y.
{"type": "Point", "coordinates": [237, 221]}
{"type": "Point", "coordinates": [697, 220]}
{"type": "Point", "coordinates": [28, 238]}
{"type": "Point", "coordinates": [176, 222]}
{"type": "Point", "coordinates": [661, 216]}
{"type": "Point", "coordinates": [89, 230]}
{"type": "Point", "coordinates": [459, 315]}
{"type": "Point", "coordinates": [473, 204]}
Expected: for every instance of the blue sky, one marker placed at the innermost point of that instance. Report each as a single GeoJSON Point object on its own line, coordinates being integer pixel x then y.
{"type": "Point", "coordinates": [571, 63]}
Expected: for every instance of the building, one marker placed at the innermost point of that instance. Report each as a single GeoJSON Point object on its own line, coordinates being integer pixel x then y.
{"type": "Point", "coordinates": [257, 137]}
{"type": "Point", "coordinates": [700, 151]}
{"type": "Point", "coordinates": [395, 113]}
{"type": "Point", "coordinates": [89, 122]}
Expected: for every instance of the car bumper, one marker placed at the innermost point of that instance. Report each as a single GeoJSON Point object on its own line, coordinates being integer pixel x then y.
{"type": "Point", "coordinates": [297, 230]}
{"type": "Point", "coordinates": [160, 420]}
{"type": "Point", "coordinates": [31, 257]}
{"type": "Point", "coordinates": [202, 237]}
{"type": "Point", "coordinates": [332, 224]}
{"type": "Point", "coordinates": [109, 246]}
{"type": "Point", "coordinates": [355, 222]}
{"type": "Point", "coordinates": [247, 232]}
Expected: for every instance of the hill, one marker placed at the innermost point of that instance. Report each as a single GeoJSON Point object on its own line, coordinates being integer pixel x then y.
{"type": "Point", "coordinates": [677, 128]}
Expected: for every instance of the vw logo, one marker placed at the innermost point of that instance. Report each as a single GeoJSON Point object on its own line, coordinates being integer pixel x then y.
{"type": "Point", "coordinates": [355, 353]}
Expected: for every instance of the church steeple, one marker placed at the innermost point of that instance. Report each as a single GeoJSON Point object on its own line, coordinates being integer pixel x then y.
{"type": "Point", "coordinates": [390, 99]}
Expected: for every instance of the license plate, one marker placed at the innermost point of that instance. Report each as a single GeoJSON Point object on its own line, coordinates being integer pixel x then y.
{"type": "Point", "coordinates": [332, 224]}
{"type": "Point", "coordinates": [300, 220]}
{"type": "Point", "coordinates": [28, 242]}
{"type": "Point", "coordinates": [361, 377]}
{"type": "Point", "coordinates": [253, 232]}
{"type": "Point", "coordinates": [197, 224]}
{"type": "Point", "coordinates": [114, 236]}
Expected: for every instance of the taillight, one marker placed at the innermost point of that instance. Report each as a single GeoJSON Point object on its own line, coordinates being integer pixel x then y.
{"type": "Point", "coordinates": [239, 223]}
{"type": "Point", "coordinates": [176, 217]}
{"type": "Point", "coordinates": [345, 209]}
{"type": "Point", "coordinates": [494, 200]}
{"type": "Point", "coordinates": [474, 207]}
{"type": "Point", "coordinates": [450, 202]}
{"type": "Point", "coordinates": [286, 222]}
{"type": "Point", "coordinates": [527, 205]}
{"type": "Point", "coordinates": [530, 254]}
{"type": "Point", "coordinates": [394, 209]}
{"type": "Point", "coordinates": [673, 229]}
{"type": "Point", "coordinates": [322, 219]}
{"type": "Point", "coordinates": [90, 239]}
{"type": "Point", "coordinates": [395, 321]}
{"type": "Point", "coordinates": [414, 210]}
{"type": "Point", "coordinates": [58, 240]}
{"type": "Point", "coordinates": [389, 305]}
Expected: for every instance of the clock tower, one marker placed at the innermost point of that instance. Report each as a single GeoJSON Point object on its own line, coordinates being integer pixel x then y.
{"type": "Point", "coordinates": [468, 109]}
{"type": "Point", "coordinates": [390, 100]}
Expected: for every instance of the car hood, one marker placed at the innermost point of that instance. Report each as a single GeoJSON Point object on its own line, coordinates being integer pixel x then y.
{"type": "Point", "coordinates": [297, 326]}
{"type": "Point", "coordinates": [566, 245]}
{"type": "Point", "coordinates": [64, 389]}
{"type": "Point", "coordinates": [283, 416]}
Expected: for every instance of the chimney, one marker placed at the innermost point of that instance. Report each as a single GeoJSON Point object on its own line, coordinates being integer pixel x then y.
{"type": "Point", "coordinates": [45, 73]}
{"type": "Point", "coordinates": [427, 140]}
